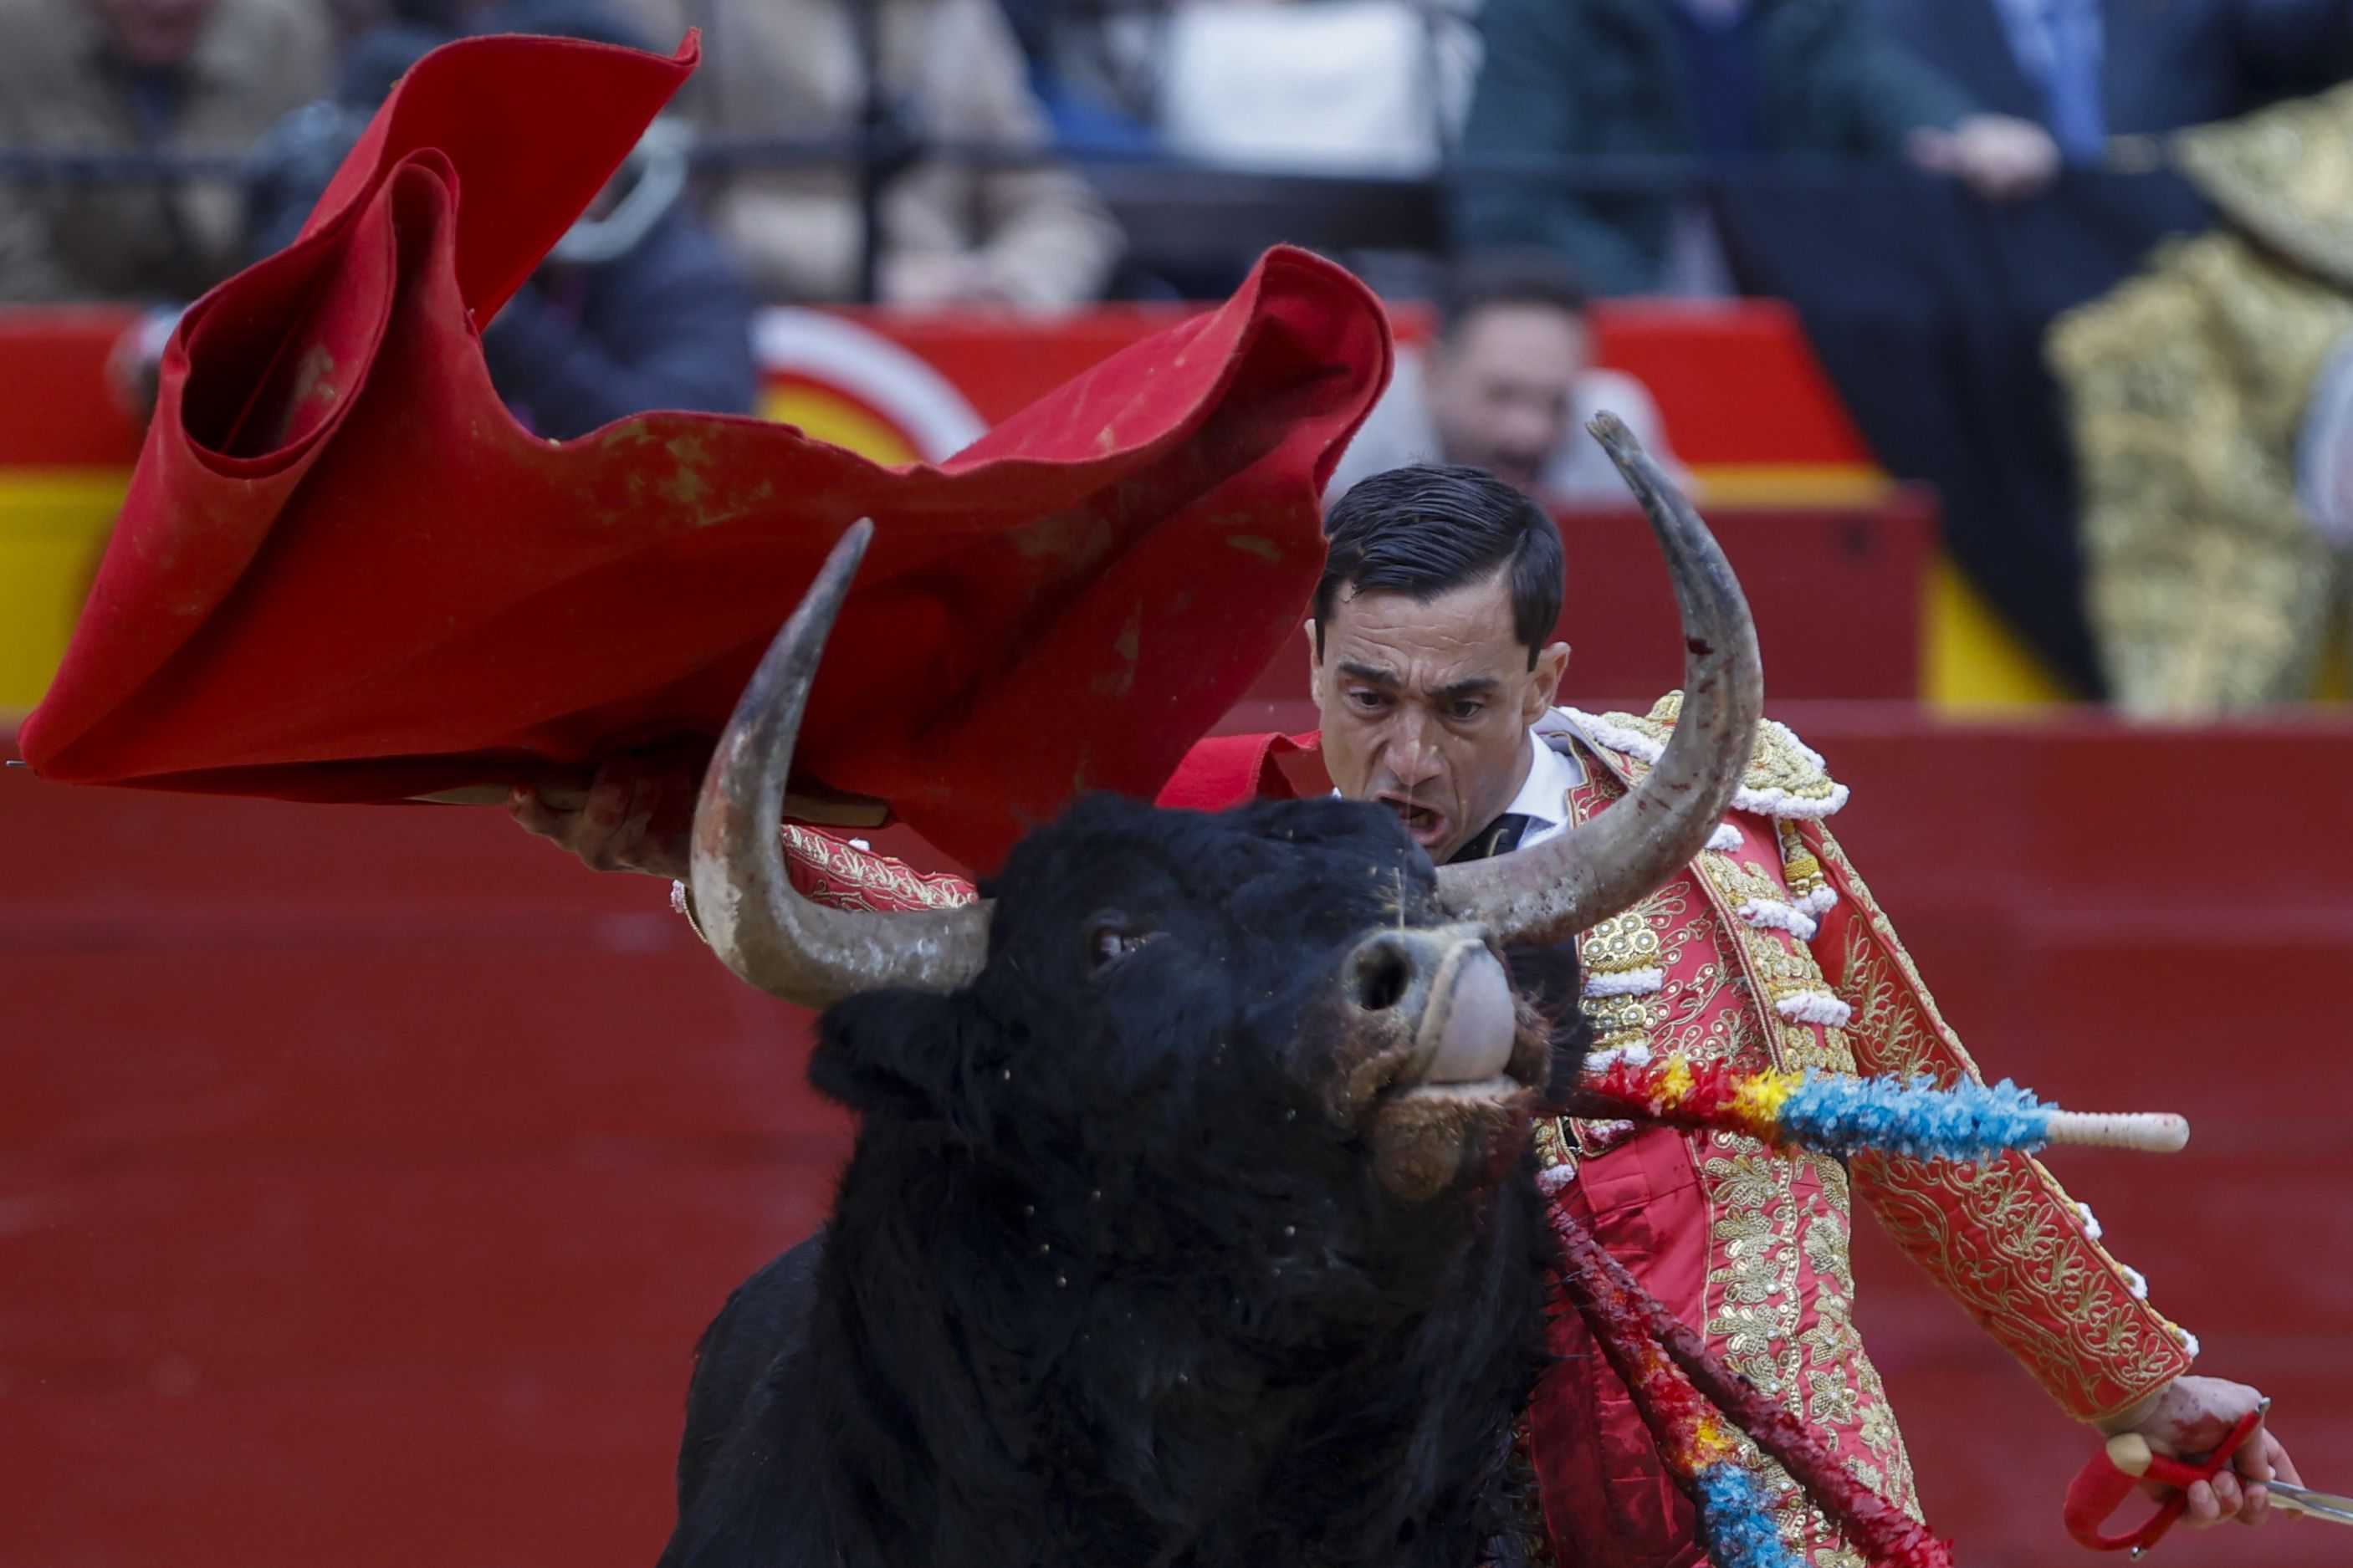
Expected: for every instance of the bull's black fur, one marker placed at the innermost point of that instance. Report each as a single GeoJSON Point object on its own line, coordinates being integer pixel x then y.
{"type": "Point", "coordinates": [1104, 1283]}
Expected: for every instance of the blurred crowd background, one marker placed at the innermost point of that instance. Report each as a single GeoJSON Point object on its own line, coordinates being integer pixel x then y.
{"type": "Point", "coordinates": [2081, 266]}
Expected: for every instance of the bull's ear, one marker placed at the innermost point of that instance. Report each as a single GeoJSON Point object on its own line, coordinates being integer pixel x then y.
{"type": "Point", "coordinates": [890, 1053]}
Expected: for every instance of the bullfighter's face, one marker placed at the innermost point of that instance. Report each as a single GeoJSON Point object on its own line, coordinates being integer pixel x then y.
{"type": "Point", "coordinates": [1270, 997]}
{"type": "Point", "coordinates": [1426, 704]}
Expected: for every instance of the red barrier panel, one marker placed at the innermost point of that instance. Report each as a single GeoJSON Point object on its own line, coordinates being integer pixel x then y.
{"type": "Point", "coordinates": [367, 1175]}
{"type": "Point", "coordinates": [55, 409]}
{"type": "Point", "coordinates": [1737, 382]}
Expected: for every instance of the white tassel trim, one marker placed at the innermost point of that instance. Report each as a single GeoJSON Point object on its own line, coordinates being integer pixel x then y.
{"type": "Point", "coordinates": [2189, 1342]}
{"type": "Point", "coordinates": [1632, 1056]}
{"type": "Point", "coordinates": [2135, 1281]}
{"type": "Point", "coordinates": [1819, 902]}
{"type": "Point", "coordinates": [1772, 914]}
{"type": "Point", "coordinates": [2091, 1221]}
{"type": "Point", "coordinates": [1553, 1178]}
{"type": "Point", "coordinates": [1773, 802]}
{"type": "Point", "coordinates": [1631, 982]}
{"type": "Point", "coordinates": [1814, 1008]}
{"type": "Point", "coordinates": [1779, 802]}
{"type": "Point", "coordinates": [1724, 839]}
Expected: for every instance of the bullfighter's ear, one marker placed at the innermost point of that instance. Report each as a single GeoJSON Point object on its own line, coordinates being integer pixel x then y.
{"type": "Point", "coordinates": [890, 1053]}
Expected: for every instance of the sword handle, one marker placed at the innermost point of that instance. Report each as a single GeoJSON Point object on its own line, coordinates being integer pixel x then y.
{"type": "Point", "coordinates": [2112, 1474]}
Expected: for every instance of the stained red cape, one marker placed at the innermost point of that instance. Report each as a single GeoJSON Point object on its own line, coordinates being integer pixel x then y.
{"type": "Point", "coordinates": [345, 572]}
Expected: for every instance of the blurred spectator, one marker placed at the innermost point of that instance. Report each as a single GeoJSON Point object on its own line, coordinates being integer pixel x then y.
{"type": "Point", "coordinates": [1507, 386]}
{"type": "Point", "coordinates": [636, 308]}
{"type": "Point", "coordinates": [2089, 69]}
{"type": "Point", "coordinates": [1724, 77]}
{"type": "Point", "coordinates": [2206, 402]}
{"type": "Point", "coordinates": [1093, 65]}
{"type": "Point", "coordinates": [356, 19]}
{"type": "Point", "coordinates": [1031, 237]}
{"type": "Point", "coordinates": [1350, 86]}
{"type": "Point", "coordinates": [140, 75]}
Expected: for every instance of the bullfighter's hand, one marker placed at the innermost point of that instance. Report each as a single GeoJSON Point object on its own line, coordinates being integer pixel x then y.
{"type": "Point", "coordinates": [2189, 1417]}
{"type": "Point", "coordinates": [638, 815]}
{"type": "Point", "coordinates": [1999, 157]}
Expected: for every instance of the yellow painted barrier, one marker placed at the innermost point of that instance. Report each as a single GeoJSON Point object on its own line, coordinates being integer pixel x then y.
{"type": "Point", "coordinates": [54, 524]}
{"type": "Point", "coordinates": [1972, 664]}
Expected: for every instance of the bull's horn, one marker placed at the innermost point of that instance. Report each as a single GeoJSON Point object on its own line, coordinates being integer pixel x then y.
{"type": "Point", "coordinates": [1573, 881]}
{"type": "Point", "coordinates": [754, 920]}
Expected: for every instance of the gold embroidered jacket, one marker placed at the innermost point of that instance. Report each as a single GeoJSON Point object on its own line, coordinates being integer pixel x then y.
{"type": "Point", "coordinates": [2001, 1237]}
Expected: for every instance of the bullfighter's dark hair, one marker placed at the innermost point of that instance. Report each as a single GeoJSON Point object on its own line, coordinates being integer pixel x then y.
{"type": "Point", "coordinates": [1509, 277]}
{"type": "Point", "coordinates": [1427, 530]}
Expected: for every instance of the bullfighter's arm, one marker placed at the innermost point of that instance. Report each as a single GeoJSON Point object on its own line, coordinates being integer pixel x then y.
{"type": "Point", "coordinates": [1999, 1237]}
{"type": "Point", "coordinates": [827, 868]}
{"type": "Point", "coordinates": [830, 868]}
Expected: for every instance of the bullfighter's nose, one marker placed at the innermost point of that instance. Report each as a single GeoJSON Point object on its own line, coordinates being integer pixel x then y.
{"type": "Point", "coordinates": [1447, 985]}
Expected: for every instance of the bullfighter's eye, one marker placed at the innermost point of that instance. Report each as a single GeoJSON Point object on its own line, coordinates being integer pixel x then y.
{"type": "Point", "coordinates": [1111, 939]}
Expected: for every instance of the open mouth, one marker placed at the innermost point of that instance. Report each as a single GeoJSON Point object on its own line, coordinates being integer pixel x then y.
{"type": "Point", "coordinates": [1424, 824]}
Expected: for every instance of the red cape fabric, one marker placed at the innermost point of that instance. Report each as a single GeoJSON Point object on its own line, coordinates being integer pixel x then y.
{"type": "Point", "coordinates": [344, 573]}
{"type": "Point", "coordinates": [1227, 770]}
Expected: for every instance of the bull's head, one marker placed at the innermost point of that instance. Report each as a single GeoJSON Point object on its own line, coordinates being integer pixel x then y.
{"type": "Point", "coordinates": [1300, 962]}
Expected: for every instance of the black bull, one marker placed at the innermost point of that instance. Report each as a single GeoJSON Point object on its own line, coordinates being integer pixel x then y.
{"type": "Point", "coordinates": [1160, 1244]}
{"type": "Point", "coordinates": [1190, 1220]}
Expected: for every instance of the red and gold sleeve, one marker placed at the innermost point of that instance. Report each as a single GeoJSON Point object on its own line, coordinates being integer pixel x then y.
{"type": "Point", "coordinates": [844, 874]}
{"type": "Point", "coordinates": [838, 871]}
{"type": "Point", "coordinates": [2000, 1236]}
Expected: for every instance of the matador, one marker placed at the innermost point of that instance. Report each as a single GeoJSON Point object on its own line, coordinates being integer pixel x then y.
{"type": "Point", "coordinates": [1435, 674]}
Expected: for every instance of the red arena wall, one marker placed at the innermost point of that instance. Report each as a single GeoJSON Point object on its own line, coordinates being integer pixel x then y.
{"type": "Point", "coordinates": [367, 1174]}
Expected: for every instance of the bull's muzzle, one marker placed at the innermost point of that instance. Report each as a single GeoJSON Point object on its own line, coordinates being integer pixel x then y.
{"type": "Point", "coordinates": [1440, 1061]}
{"type": "Point", "coordinates": [1447, 987]}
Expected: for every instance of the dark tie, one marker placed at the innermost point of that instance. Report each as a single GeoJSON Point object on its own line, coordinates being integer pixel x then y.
{"type": "Point", "coordinates": [1500, 837]}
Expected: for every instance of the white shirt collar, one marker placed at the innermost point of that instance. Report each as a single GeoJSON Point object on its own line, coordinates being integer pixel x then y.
{"type": "Point", "coordinates": [1543, 797]}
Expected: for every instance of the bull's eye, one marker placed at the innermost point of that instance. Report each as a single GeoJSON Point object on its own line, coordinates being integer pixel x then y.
{"type": "Point", "coordinates": [1111, 937]}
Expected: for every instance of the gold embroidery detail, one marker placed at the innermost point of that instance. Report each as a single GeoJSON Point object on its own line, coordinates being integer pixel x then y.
{"type": "Point", "coordinates": [1799, 867]}
{"type": "Point", "coordinates": [1783, 967]}
{"type": "Point", "coordinates": [1825, 1251]}
{"type": "Point", "coordinates": [1753, 1223]}
{"type": "Point", "coordinates": [1554, 1152]}
{"type": "Point", "coordinates": [1830, 1399]}
{"type": "Point", "coordinates": [1622, 944]}
{"type": "Point", "coordinates": [1780, 763]}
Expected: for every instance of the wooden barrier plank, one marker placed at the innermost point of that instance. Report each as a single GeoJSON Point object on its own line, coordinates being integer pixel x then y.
{"type": "Point", "coordinates": [255, 1270]}
{"type": "Point", "coordinates": [383, 1050]}
{"type": "Point", "coordinates": [450, 1472]}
